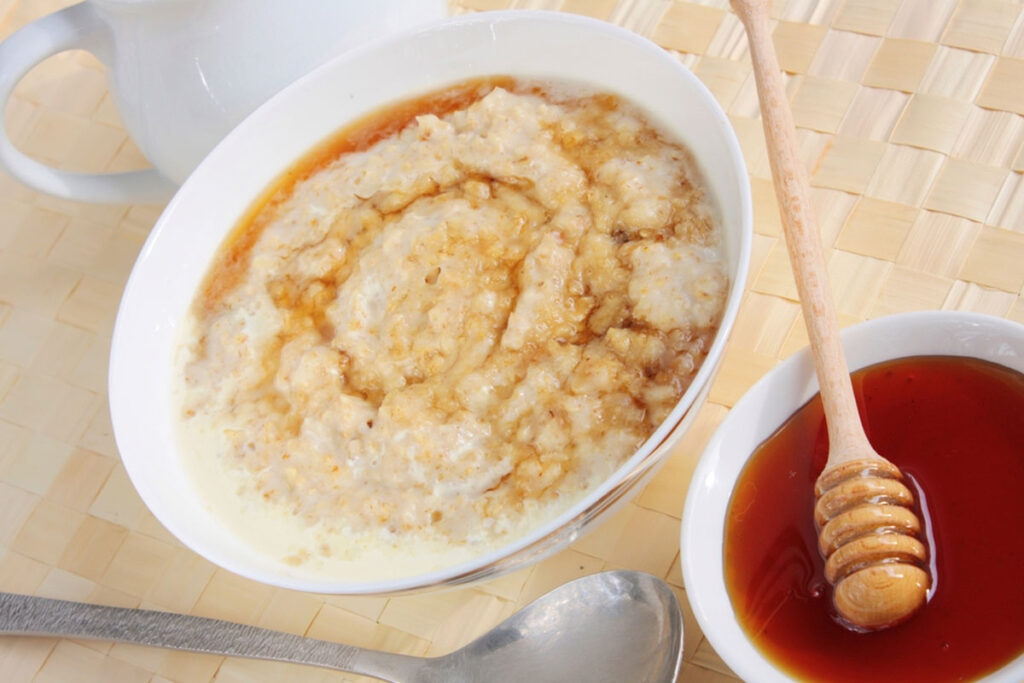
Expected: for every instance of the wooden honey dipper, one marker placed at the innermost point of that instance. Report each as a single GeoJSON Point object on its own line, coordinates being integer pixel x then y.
{"type": "Point", "coordinates": [867, 531]}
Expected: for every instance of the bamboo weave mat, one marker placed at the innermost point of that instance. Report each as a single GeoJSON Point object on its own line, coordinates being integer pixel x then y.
{"type": "Point", "coordinates": [910, 120]}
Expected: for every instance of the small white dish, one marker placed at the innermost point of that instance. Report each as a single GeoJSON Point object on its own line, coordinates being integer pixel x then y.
{"type": "Point", "coordinates": [762, 410]}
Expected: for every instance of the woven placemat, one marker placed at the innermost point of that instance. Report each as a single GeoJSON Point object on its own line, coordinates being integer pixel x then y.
{"type": "Point", "coordinates": [910, 120]}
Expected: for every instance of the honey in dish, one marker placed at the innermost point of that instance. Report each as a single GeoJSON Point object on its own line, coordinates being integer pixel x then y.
{"type": "Point", "coordinates": [955, 427]}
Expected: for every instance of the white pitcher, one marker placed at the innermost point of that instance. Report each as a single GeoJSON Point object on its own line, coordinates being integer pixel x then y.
{"type": "Point", "coordinates": [184, 72]}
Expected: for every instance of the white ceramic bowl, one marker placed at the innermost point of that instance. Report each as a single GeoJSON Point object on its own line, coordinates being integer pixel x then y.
{"type": "Point", "coordinates": [763, 409]}
{"type": "Point", "coordinates": [179, 250]}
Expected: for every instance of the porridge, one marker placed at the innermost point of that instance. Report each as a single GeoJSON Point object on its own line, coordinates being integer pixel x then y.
{"type": "Point", "coordinates": [461, 316]}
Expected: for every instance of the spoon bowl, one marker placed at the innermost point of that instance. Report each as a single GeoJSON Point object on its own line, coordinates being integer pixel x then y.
{"type": "Point", "coordinates": [614, 626]}
{"type": "Point", "coordinates": [611, 626]}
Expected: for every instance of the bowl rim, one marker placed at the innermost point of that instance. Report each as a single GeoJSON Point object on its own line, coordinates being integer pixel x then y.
{"type": "Point", "coordinates": [705, 505]}
{"type": "Point", "coordinates": [121, 398]}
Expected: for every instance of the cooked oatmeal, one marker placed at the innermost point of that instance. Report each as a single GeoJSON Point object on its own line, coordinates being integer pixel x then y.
{"type": "Point", "coordinates": [454, 333]}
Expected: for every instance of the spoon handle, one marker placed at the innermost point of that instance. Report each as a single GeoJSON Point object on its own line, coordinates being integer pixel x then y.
{"type": "Point", "coordinates": [28, 615]}
{"type": "Point", "coordinates": [846, 434]}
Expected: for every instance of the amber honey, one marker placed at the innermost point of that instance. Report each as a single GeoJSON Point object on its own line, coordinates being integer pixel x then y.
{"type": "Point", "coordinates": [955, 427]}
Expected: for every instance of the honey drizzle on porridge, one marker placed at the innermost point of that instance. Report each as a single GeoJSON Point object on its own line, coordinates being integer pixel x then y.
{"type": "Point", "coordinates": [356, 137]}
{"type": "Point", "coordinates": [597, 352]}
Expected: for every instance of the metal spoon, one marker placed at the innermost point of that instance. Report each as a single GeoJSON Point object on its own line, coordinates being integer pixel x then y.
{"type": "Point", "coordinates": [612, 626]}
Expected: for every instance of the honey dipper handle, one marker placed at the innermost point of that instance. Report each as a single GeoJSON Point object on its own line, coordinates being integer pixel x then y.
{"type": "Point", "coordinates": [845, 432]}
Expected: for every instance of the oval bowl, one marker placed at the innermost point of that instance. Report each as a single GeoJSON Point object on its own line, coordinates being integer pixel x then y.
{"type": "Point", "coordinates": [762, 410]}
{"type": "Point", "coordinates": [178, 252]}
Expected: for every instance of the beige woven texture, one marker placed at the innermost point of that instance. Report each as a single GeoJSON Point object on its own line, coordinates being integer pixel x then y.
{"type": "Point", "coordinates": [910, 120]}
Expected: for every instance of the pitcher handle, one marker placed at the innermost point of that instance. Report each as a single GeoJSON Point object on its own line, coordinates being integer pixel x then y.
{"type": "Point", "coordinates": [76, 27]}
